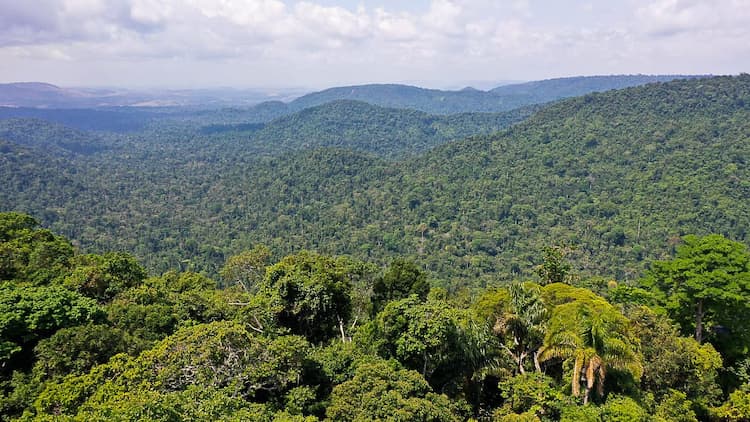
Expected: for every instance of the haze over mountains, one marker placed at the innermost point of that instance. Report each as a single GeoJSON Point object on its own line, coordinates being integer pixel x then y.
{"type": "Point", "coordinates": [45, 95]}
{"type": "Point", "coordinates": [129, 111]}
{"type": "Point", "coordinates": [502, 98]}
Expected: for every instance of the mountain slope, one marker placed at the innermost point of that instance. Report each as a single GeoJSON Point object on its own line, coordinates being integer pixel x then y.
{"type": "Point", "coordinates": [500, 99]}
{"type": "Point", "coordinates": [554, 89]}
{"type": "Point", "coordinates": [50, 137]}
{"type": "Point", "coordinates": [411, 97]}
{"type": "Point", "coordinates": [618, 175]}
{"type": "Point", "coordinates": [388, 132]}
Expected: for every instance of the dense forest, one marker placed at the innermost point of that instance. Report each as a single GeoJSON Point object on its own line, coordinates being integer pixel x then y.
{"type": "Point", "coordinates": [582, 260]}
{"type": "Point", "coordinates": [502, 98]}
{"type": "Point", "coordinates": [62, 106]}
{"type": "Point", "coordinates": [613, 178]}
{"type": "Point", "coordinates": [92, 337]}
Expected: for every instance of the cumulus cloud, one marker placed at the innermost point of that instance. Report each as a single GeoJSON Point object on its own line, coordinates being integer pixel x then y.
{"type": "Point", "coordinates": [671, 17]}
{"type": "Point", "coordinates": [521, 39]}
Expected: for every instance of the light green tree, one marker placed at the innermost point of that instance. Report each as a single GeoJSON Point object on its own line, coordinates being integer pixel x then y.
{"type": "Point", "coordinates": [590, 334]}
{"type": "Point", "coordinates": [706, 285]}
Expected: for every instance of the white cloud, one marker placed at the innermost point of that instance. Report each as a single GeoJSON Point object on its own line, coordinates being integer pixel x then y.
{"type": "Point", "coordinates": [334, 22]}
{"type": "Point", "coordinates": [444, 17]}
{"type": "Point", "coordinates": [395, 27]}
{"type": "Point", "coordinates": [445, 39]}
{"type": "Point", "coordinates": [151, 12]}
{"type": "Point", "coordinates": [670, 17]}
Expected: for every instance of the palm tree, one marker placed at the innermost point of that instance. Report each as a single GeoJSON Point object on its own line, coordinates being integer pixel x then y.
{"type": "Point", "coordinates": [521, 324]}
{"type": "Point", "coordinates": [595, 337]}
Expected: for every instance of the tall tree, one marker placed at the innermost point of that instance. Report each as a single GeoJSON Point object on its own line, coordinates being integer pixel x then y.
{"type": "Point", "coordinates": [519, 319]}
{"type": "Point", "coordinates": [706, 286]}
{"type": "Point", "coordinates": [592, 335]}
{"type": "Point", "coordinates": [403, 278]}
{"type": "Point", "coordinates": [247, 268]}
{"type": "Point", "coordinates": [313, 293]}
{"type": "Point", "coordinates": [555, 268]}
{"type": "Point", "coordinates": [31, 254]}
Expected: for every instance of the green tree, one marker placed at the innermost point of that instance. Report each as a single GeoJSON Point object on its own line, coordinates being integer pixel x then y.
{"type": "Point", "coordinates": [384, 391]}
{"type": "Point", "coordinates": [444, 344]}
{"type": "Point", "coordinates": [675, 407]}
{"type": "Point", "coordinates": [590, 334]}
{"type": "Point", "coordinates": [76, 350]}
{"type": "Point", "coordinates": [314, 293]}
{"type": "Point", "coordinates": [220, 356]}
{"type": "Point", "coordinates": [672, 362]}
{"type": "Point", "coordinates": [29, 314]}
{"type": "Point", "coordinates": [519, 320]}
{"type": "Point", "coordinates": [104, 276]}
{"type": "Point", "coordinates": [29, 254]}
{"type": "Point", "coordinates": [532, 394]}
{"type": "Point", "coordinates": [402, 279]}
{"type": "Point", "coordinates": [736, 408]}
{"type": "Point", "coordinates": [159, 305]}
{"type": "Point", "coordinates": [247, 269]}
{"type": "Point", "coordinates": [554, 268]}
{"type": "Point", "coordinates": [706, 285]}
{"type": "Point", "coordinates": [623, 409]}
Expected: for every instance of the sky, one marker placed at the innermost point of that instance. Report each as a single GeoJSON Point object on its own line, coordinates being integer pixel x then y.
{"type": "Point", "coordinates": [321, 43]}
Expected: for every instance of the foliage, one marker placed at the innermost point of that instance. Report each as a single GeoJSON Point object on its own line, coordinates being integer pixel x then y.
{"type": "Point", "coordinates": [402, 279]}
{"type": "Point", "coordinates": [219, 355]}
{"type": "Point", "coordinates": [427, 337]}
{"type": "Point", "coordinates": [519, 320]}
{"type": "Point", "coordinates": [246, 269]}
{"type": "Point", "coordinates": [675, 407]}
{"type": "Point", "coordinates": [76, 350]}
{"type": "Point", "coordinates": [737, 408]}
{"type": "Point", "coordinates": [674, 363]}
{"type": "Point", "coordinates": [104, 276]}
{"type": "Point", "coordinates": [574, 413]}
{"type": "Point", "coordinates": [488, 204]}
{"type": "Point", "coordinates": [383, 391]}
{"type": "Point", "coordinates": [387, 132]}
{"type": "Point", "coordinates": [531, 394]}
{"type": "Point", "coordinates": [622, 176]}
{"type": "Point", "coordinates": [554, 268]}
{"type": "Point", "coordinates": [589, 333]}
{"type": "Point", "coordinates": [29, 254]}
{"type": "Point", "coordinates": [706, 289]}
{"type": "Point", "coordinates": [29, 314]}
{"type": "Point", "coordinates": [314, 293]}
{"type": "Point", "coordinates": [623, 409]}
{"type": "Point", "coordinates": [474, 211]}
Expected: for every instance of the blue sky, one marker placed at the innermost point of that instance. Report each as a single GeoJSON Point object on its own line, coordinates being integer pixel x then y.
{"type": "Point", "coordinates": [315, 44]}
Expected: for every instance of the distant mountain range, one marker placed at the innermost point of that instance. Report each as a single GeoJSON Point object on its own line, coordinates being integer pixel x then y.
{"type": "Point", "coordinates": [502, 98]}
{"type": "Point", "coordinates": [619, 176]}
{"type": "Point", "coordinates": [388, 132]}
{"type": "Point", "coordinates": [44, 95]}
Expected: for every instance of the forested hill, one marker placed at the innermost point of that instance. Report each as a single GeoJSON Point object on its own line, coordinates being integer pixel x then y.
{"type": "Point", "coordinates": [614, 175]}
{"type": "Point", "coordinates": [554, 89]}
{"type": "Point", "coordinates": [139, 119]}
{"type": "Point", "coordinates": [411, 97]}
{"type": "Point", "coordinates": [388, 132]}
{"type": "Point", "coordinates": [503, 98]}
